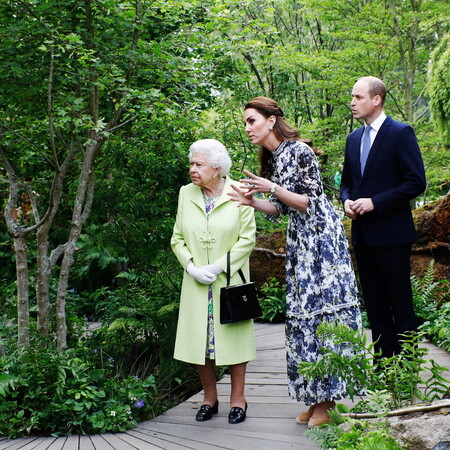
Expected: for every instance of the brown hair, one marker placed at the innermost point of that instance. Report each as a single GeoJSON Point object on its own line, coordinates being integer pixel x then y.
{"type": "Point", "coordinates": [283, 131]}
{"type": "Point", "coordinates": [376, 87]}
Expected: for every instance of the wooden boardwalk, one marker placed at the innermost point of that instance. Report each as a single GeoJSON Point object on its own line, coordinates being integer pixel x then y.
{"type": "Point", "coordinates": [270, 420]}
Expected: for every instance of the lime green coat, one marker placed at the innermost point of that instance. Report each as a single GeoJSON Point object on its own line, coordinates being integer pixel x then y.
{"type": "Point", "coordinates": [206, 241]}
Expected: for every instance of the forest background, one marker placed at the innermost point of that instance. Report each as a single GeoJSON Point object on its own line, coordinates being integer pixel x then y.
{"type": "Point", "coordinates": [99, 102]}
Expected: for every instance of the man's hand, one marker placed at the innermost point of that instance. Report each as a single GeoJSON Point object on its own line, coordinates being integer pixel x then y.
{"type": "Point", "coordinates": [348, 208]}
{"type": "Point", "coordinates": [362, 206]}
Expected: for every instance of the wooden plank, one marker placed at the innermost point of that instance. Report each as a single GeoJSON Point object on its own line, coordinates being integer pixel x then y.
{"type": "Point", "coordinates": [99, 443]}
{"type": "Point", "coordinates": [230, 436]}
{"type": "Point", "coordinates": [117, 443]}
{"type": "Point", "coordinates": [72, 442]}
{"type": "Point", "coordinates": [15, 444]}
{"type": "Point", "coordinates": [138, 443]}
{"type": "Point", "coordinates": [160, 440]}
{"type": "Point", "coordinates": [58, 443]}
{"type": "Point", "coordinates": [36, 443]}
{"type": "Point", "coordinates": [261, 410]}
{"type": "Point", "coordinates": [85, 443]}
{"type": "Point", "coordinates": [45, 443]}
{"type": "Point", "coordinates": [270, 420]}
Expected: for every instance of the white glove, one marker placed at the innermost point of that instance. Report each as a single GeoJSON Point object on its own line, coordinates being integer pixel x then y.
{"type": "Point", "coordinates": [212, 268]}
{"type": "Point", "coordinates": [201, 275]}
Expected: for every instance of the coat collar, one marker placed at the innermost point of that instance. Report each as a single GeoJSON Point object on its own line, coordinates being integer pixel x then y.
{"type": "Point", "coordinates": [197, 196]}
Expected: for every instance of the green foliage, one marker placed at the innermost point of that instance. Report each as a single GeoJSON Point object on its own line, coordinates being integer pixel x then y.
{"type": "Point", "coordinates": [273, 301]}
{"type": "Point", "coordinates": [51, 394]}
{"type": "Point", "coordinates": [438, 329]}
{"type": "Point", "coordinates": [344, 433]}
{"type": "Point", "coordinates": [135, 204]}
{"type": "Point", "coordinates": [401, 376]}
{"type": "Point", "coordinates": [391, 383]}
{"type": "Point", "coordinates": [8, 300]}
{"type": "Point", "coordinates": [431, 304]}
{"type": "Point", "coordinates": [113, 376]}
{"type": "Point", "coordinates": [307, 56]}
{"type": "Point", "coordinates": [438, 88]}
{"type": "Point", "coordinates": [425, 289]}
{"type": "Point", "coordinates": [179, 71]}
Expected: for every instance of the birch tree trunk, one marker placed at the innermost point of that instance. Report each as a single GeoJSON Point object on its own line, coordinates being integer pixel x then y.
{"type": "Point", "coordinates": [20, 235]}
{"type": "Point", "coordinates": [23, 308]}
{"type": "Point", "coordinates": [81, 211]}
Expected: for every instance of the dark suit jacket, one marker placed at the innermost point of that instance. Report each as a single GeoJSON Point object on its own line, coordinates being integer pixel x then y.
{"type": "Point", "coordinates": [394, 175]}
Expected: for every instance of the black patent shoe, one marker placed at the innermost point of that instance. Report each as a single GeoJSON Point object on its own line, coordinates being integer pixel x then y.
{"type": "Point", "coordinates": [205, 412]}
{"type": "Point", "coordinates": [237, 414]}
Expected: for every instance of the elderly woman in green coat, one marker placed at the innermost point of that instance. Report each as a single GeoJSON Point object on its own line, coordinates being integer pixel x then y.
{"type": "Point", "coordinates": [208, 225]}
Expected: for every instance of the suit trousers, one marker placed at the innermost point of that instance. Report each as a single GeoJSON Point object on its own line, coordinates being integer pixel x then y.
{"type": "Point", "coordinates": [384, 274]}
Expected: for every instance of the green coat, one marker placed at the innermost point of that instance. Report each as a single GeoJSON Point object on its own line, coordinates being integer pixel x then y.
{"type": "Point", "coordinates": [207, 241]}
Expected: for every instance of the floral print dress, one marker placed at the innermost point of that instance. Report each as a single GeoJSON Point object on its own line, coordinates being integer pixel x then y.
{"type": "Point", "coordinates": [320, 281]}
{"type": "Point", "coordinates": [210, 349]}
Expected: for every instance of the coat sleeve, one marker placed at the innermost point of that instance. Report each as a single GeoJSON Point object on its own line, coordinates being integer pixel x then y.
{"type": "Point", "coordinates": [177, 241]}
{"type": "Point", "coordinates": [346, 187]}
{"type": "Point", "coordinates": [242, 248]}
{"type": "Point", "coordinates": [411, 167]}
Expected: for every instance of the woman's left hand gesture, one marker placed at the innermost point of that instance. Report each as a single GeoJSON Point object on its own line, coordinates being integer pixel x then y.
{"type": "Point", "coordinates": [243, 194]}
{"type": "Point", "coordinates": [256, 184]}
{"type": "Point", "coordinates": [240, 196]}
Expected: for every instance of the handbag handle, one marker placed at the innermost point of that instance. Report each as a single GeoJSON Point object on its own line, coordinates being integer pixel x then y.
{"type": "Point", "coordinates": [228, 271]}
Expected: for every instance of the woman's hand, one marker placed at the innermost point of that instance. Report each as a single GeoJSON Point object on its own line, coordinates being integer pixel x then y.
{"type": "Point", "coordinates": [240, 196]}
{"type": "Point", "coordinates": [200, 274]}
{"type": "Point", "coordinates": [256, 184]}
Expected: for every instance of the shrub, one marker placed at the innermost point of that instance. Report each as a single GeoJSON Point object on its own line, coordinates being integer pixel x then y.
{"type": "Point", "coordinates": [400, 376]}
{"type": "Point", "coordinates": [432, 306]}
{"type": "Point", "coordinates": [391, 383]}
{"type": "Point", "coordinates": [273, 301]}
{"type": "Point", "coordinates": [46, 393]}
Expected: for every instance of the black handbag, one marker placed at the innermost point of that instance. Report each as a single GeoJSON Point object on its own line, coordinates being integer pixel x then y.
{"type": "Point", "coordinates": [238, 302]}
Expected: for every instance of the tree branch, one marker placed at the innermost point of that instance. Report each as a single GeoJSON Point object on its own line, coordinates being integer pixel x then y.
{"type": "Point", "coordinates": [50, 105]}
{"type": "Point", "coordinates": [249, 58]}
{"type": "Point", "coordinates": [56, 254]}
{"type": "Point", "coordinates": [270, 252]}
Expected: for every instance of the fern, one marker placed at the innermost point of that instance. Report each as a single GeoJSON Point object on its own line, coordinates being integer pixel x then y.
{"type": "Point", "coordinates": [424, 293]}
{"type": "Point", "coordinates": [354, 434]}
{"type": "Point", "coordinates": [7, 384]}
{"type": "Point", "coordinates": [326, 437]}
{"type": "Point", "coordinates": [436, 386]}
{"type": "Point", "coordinates": [400, 376]}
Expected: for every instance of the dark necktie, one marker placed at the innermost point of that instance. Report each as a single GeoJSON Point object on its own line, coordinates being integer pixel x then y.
{"type": "Point", "coordinates": [365, 148]}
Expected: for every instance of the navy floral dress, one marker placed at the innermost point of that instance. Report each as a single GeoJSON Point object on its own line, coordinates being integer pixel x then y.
{"type": "Point", "coordinates": [320, 281]}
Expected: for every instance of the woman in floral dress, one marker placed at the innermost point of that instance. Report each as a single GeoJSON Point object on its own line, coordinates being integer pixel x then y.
{"type": "Point", "coordinates": [320, 281]}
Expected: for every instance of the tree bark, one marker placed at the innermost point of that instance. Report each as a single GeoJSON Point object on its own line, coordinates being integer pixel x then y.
{"type": "Point", "coordinates": [23, 309]}
{"type": "Point", "coordinates": [81, 211]}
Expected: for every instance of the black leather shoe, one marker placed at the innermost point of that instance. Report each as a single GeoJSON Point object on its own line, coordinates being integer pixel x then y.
{"type": "Point", "coordinates": [237, 415]}
{"type": "Point", "coordinates": [206, 411]}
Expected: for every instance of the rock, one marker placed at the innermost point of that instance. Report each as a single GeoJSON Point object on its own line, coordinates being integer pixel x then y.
{"type": "Point", "coordinates": [429, 431]}
{"type": "Point", "coordinates": [442, 446]}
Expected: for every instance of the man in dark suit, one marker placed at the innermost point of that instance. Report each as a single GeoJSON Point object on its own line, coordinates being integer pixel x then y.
{"type": "Point", "coordinates": [383, 170]}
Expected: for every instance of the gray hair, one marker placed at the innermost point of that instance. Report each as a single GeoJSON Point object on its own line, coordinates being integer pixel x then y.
{"type": "Point", "coordinates": [215, 152]}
